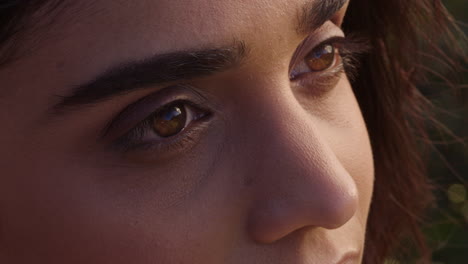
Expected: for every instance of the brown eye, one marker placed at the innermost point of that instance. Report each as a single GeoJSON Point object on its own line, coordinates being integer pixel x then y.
{"type": "Point", "coordinates": [321, 58]}
{"type": "Point", "coordinates": [170, 120]}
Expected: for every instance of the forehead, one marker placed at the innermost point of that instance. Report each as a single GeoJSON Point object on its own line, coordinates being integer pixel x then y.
{"type": "Point", "coordinates": [85, 37]}
{"type": "Point", "coordinates": [121, 30]}
{"type": "Point", "coordinates": [199, 22]}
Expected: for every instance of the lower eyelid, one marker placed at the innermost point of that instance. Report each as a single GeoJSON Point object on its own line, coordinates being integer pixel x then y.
{"type": "Point", "coordinates": [159, 150]}
{"type": "Point", "coordinates": [317, 84]}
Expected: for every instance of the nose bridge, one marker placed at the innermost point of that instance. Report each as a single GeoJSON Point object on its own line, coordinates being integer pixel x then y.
{"type": "Point", "coordinates": [299, 180]}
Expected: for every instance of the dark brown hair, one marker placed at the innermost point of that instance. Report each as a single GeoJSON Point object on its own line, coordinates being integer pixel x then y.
{"type": "Point", "coordinates": [402, 34]}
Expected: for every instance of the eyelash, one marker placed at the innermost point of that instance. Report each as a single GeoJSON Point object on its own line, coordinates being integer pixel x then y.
{"type": "Point", "coordinates": [348, 50]}
{"type": "Point", "coordinates": [351, 49]}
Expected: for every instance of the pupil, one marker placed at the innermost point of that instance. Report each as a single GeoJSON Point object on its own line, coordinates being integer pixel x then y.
{"type": "Point", "coordinates": [170, 121]}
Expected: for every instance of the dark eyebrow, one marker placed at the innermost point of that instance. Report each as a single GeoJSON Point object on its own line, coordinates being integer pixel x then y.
{"type": "Point", "coordinates": [316, 13]}
{"type": "Point", "coordinates": [157, 70]}
{"type": "Point", "coordinates": [181, 65]}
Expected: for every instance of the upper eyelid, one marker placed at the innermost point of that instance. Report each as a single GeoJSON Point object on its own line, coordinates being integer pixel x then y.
{"type": "Point", "coordinates": [326, 31]}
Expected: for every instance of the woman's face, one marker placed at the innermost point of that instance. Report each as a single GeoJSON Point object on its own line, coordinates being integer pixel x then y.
{"type": "Point", "coordinates": [183, 131]}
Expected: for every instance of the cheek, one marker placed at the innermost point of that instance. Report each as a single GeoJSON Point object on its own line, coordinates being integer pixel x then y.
{"type": "Point", "coordinates": [86, 213]}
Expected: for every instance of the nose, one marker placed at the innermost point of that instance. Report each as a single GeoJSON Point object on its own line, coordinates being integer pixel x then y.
{"type": "Point", "coordinates": [299, 181]}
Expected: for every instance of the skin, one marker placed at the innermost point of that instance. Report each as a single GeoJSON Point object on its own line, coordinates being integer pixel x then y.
{"type": "Point", "coordinates": [280, 173]}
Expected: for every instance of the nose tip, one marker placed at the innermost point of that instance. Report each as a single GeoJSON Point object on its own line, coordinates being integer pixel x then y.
{"type": "Point", "coordinates": [326, 208]}
{"type": "Point", "coordinates": [300, 183]}
{"type": "Point", "coordinates": [341, 207]}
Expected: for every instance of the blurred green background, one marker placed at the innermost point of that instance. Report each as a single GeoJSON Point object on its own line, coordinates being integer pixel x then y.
{"type": "Point", "coordinates": [447, 230]}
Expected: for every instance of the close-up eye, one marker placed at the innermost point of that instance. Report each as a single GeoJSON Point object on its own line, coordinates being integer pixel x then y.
{"type": "Point", "coordinates": [321, 66]}
{"type": "Point", "coordinates": [171, 126]}
{"type": "Point", "coordinates": [170, 120]}
{"type": "Point", "coordinates": [322, 59]}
